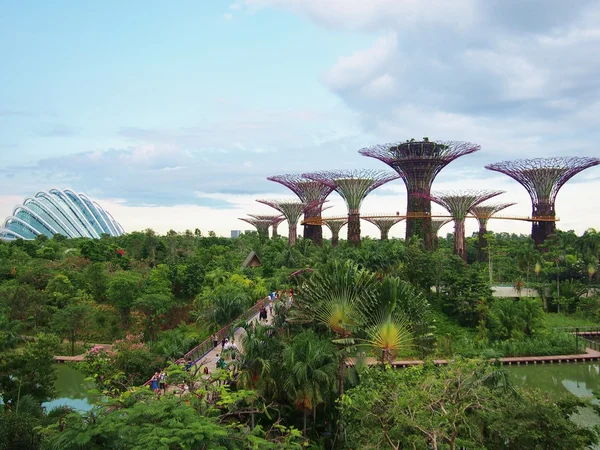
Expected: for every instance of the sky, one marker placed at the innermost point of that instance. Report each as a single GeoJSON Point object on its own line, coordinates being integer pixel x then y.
{"type": "Point", "coordinates": [172, 114]}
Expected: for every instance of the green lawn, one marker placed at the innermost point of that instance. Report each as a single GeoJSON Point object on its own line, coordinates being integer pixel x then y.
{"type": "Point", "coordinates": [555, 320]}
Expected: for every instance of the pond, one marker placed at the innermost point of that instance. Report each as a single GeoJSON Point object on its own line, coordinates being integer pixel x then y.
{"type": "Point", "coordinates": [71, 389]}
{"type": "Point", "coordinates": [579, 379]}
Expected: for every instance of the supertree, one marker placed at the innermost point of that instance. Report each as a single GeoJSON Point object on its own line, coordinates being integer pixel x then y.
{"type": "Point", "coordinates": [458, 205]}
{"type": "Point", "coordinates": [418, 163]}
{"type": "Point", "coordinates": [275, 219]}
{"type": "Point", "coordinates": [307, 191]}
{"type": "Point", "coordinates": [335, 225]}
{"type": "Point", "coordinates": [436, 225]}
{"type": "Point", "coordinates": [543, 178]}
{"type": "Point", "coordinates": [292, 210]}
{"type": "Point", "coordinates": [262, 226]}
{"type": "Point", "coordinates": [384, 224]}
{"type": "Point", "coordinates": [483, 213]}
{"type": "Point", "coordinates": [353, 186]}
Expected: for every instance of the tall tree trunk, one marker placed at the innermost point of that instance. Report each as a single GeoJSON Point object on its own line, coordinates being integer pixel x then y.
{"type": "Point", "coordinates": [459, 238]}
{"type": "Point", "coordinates": [354, 228]}
{"type": "Point", "coordinates": [335, 237]}
{"type": "Point", "coordinates": [384, 234]}
{"type": "Point", "coordinates": [420, 227]}
{"type": "Point", "coordinates": [292, 233]}
{"type": "Point", "coordinates": [482, 250]}
{"type": "Point", "coordinates": [541, 230]}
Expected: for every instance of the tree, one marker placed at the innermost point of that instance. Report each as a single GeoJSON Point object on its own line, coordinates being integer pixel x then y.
{"type": "Point", "coordinates": [309, 363]}
{"type": "Point", "coordinates": [30, 371]}
{"type": "Point", "coordinates": [123, 289]}
{"type": "Point", "coordinates": [154, 307]}
{"type": "Point", "coordinates": [72, 320]}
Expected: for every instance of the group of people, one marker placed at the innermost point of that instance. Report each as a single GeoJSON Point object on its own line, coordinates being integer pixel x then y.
{"type": "Point", "coordinates": [158, 382]}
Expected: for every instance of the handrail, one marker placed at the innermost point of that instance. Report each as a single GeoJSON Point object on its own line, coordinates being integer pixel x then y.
{"type": "Point", "coordinates": [202, 349]}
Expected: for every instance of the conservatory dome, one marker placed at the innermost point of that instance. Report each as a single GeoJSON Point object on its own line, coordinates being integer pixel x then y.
{"type": "Point", "coordinates": [59, 212]}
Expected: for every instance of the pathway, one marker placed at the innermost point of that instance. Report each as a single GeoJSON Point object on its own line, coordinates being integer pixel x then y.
{"type": "Point", "coordinates": [589, 355]}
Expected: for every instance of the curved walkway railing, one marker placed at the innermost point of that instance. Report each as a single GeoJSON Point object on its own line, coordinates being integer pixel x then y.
{"type": "Point", "coordinates": [202, 349]}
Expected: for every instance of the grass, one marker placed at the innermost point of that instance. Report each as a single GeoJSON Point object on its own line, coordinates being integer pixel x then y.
{"type": "Point", "coordinates": [559, 320]}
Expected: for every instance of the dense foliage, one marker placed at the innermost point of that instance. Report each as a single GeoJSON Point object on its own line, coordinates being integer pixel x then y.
{"type": "Point", "coordinates": [151, 298]}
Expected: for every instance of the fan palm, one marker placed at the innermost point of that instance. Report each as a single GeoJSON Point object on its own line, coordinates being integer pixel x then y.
{"type": "Point", "coordinates": [335, 296]}
{"type": "Point", "coordinates": [388, 335]}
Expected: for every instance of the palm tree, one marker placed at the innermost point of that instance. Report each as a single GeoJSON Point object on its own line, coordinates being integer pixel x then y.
{"type": "Point", "coordinates": [389, 335]}
{"type": "Point", "coordinates": [335, 296]}
{"type": "Point", "coordinates": [309, 363]}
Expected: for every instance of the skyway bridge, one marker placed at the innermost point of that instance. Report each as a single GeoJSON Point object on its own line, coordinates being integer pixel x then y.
{"type": "Point", "coordinates": [323, 220]}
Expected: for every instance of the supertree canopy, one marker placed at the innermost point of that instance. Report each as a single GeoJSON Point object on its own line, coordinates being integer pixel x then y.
{"type": "Point", "coordinates": [292, 210]}
{"type": "Point", "coordinates": [458, 205]}
{"type": "Point", "coordinates": [275, 219]}
{"type": "Point", "coordinates": [262, 226]}
{"type": "Point", "coordinates": [543, 178]}
{"type": "Point", "coordinates": [384, 224]}
{"type": "Point", "coordinates": [308, 191]}
{"type": "Point", "coordinates": [353, 186]}
{"type": "Point", "coordinates": [436, 225]}
{"type": "Point", "coordinates": [483, 214]}
{"type": "Point", "coordinates": [335, 225]}
{"type": "Point", "coordinates": [418, 163]}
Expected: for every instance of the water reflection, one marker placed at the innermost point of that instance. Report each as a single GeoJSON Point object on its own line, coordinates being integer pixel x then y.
{"type": "Point", "coordinates": [71, 389]}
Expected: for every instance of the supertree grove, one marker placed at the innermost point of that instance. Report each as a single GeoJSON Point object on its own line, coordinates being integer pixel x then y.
{"type": "Point", "coordinates": [275, 219]}
{"type": "Point", "coordinates": [483, 213]}
{"type": "Point", "coordinates": [292, 210]}
{"type": "Point", "coordinates": [262, 226]}
{"type": "Point", "coordinates": [418, 163]}
{"type": "Point", "coordinates": [335, 225]}
{"type": "Point", "coordinates": [384, 224]}
{"type": "Point", "coordinates": [436, 225]}
{"type": "Point", "coordinates": [309, 191]}
{"type": "Point", "coordinates": [353, 186]}
{"type": "Point", "coordinates": [458, 205]}
{"type": "Point", "coordinates": [543, 178]}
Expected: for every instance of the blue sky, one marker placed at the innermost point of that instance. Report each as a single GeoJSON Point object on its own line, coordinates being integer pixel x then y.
{"type": "Point", "coordinates": [172, 115]}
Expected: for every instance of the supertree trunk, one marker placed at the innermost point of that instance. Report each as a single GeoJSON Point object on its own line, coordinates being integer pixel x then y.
{"type": "Point", "coordinates": [420, 227]}
{"type": "Point", "coordinates": [313, 232]}
{"type": "Point", "coordinates": [354, 228]}
{"type": "Point", "coordinates": [293, 233]}
{"type": "Point", "coordinates": [482, 245]}
{"type": "Point", "coordinates": [335, 238]}
{"type": "Point", "coordinates": [274, 234]}
{"type": "Point", "coordinates": [384, 234]}
{"type": "Point", "coordinates": [542, 229]}
{"type": "Point", "coordinates": [459, 239]}
{"type": "Point", "coordinates": [435, 242]}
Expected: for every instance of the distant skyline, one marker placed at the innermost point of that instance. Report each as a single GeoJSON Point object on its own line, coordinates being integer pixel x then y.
{"type": "Point", "coordinates": [171, 116]}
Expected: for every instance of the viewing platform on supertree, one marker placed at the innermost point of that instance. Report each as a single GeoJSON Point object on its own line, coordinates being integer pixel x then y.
{"type": "Point", "coordinates": [275, 219]}
{"type": "Point", "coordinates": [261, 225]}
{"type": "Point", "coordinates": [308, 191]}
{"type": "Point", "coordinates": [335, 225]}
{"type": "Point", "coordinates": [484, 213]}
{"type": "Point", "coordinates": [459, 204]}
{"type": "Point", "coordinates": [418, 163]}
{"type": "Point", "coordinates": [543, 178]}
{"type": "Point", "coordinates": [353, 186]}
{"type": "Point", "coordinates": [292, 210]}
{"type": "Point", "coordinates": [384, 224]}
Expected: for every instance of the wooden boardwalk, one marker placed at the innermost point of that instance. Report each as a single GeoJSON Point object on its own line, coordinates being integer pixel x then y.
{"type": "Point", "coordinates": [80, 358]}
{"type": "Point", "coordinates": [589, 355]}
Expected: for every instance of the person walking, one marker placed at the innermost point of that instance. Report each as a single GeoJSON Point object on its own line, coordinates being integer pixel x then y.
{"type": "Point", "coordinates": [154, 383]}
{"type": "Point", "coordinates": [162, 382]}
{"type": "Point", "coordinates": [215, 340]}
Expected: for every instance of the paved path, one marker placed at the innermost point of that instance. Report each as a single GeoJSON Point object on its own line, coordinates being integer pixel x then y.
{"type": "Point", "coordinates": [210, 359]}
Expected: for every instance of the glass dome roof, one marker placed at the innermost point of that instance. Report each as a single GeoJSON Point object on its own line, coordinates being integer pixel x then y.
{"type": "Point", "coordinates": [59, 212]}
